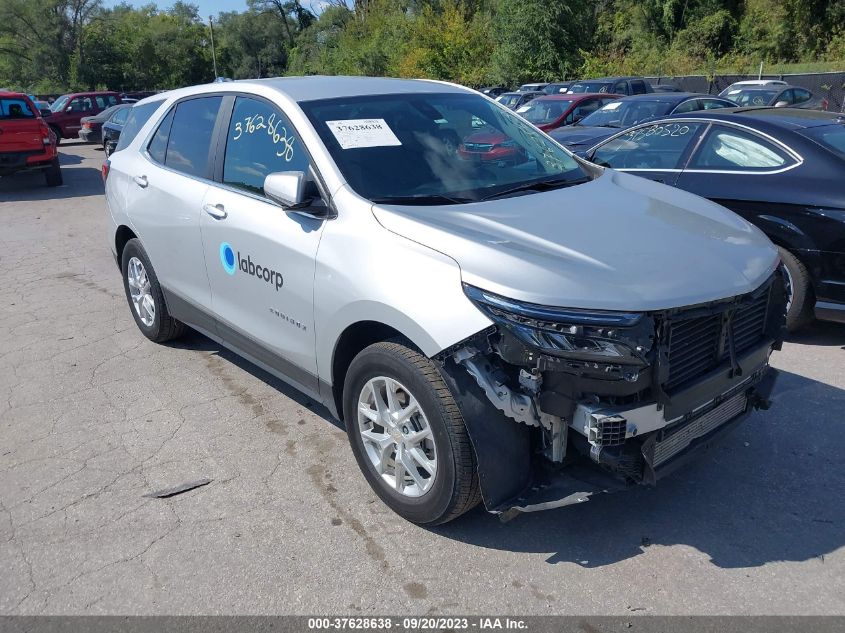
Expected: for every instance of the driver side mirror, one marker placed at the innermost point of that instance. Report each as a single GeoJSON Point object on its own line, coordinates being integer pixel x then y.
{"type": "Point", "coordinates": [294, 192]}
{"type": "Point", "coordinates": [781, 104]}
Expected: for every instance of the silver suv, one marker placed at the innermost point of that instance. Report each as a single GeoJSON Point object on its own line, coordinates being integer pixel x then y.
{"type": "Point", "coordinates": [494, 320]}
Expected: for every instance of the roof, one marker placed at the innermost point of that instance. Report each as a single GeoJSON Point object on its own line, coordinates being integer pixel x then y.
{"type": "Point", "coordinates": [608, 79]}
{"type": "Point", "coordinates": [669, 97]}
{"type": "Point", "coordinates": [314, 87]}
{"type": "Point", "coordinates": [324, 87]}
{"type": "Point", "coordinates": [574, 96]}
{"type": "Point", "coordinates": [771, 117]}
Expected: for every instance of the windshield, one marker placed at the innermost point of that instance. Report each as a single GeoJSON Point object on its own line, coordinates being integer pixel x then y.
{"type": "Point", "coordinates": [590, 86]}
{"type": "Point", "coordinates": [542, 111]}
{"type": "Point", "coordinates": [59, 103]}
{"type": "Point", "coordinates": [831, 136]}
{"type": "Point", "coordinates": [626, 113]}
{"type": "Point", "coordinates": [412, 148]}
{"type": "Point", "coordinates": [752, 96]}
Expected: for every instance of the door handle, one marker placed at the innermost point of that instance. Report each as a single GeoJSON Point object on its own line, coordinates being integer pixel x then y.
{"type": "Point", "coordinates": [141, 181]}
{"type": "Point", "coordinates": [216, 211]}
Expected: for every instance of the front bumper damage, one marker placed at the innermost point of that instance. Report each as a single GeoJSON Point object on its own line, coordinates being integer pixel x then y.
{"type": "Point", "coordinates": [548, 432]}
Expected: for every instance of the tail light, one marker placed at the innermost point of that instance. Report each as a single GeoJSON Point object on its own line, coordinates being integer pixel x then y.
{"type": "Point", "coordinates": [87, 125]}
{"type": "Point", "coordinates": [104, 170]}
{"type": "Point", "coordinates": [46, 136]}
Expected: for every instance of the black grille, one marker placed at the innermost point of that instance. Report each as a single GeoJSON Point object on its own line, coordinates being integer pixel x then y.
{"type": "Point", "coordinates": [699, 344]}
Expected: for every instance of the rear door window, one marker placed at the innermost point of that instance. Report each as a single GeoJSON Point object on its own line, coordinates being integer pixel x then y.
{"type": "Point", "coordinates": [801, 95]}
{"type": "Point", "coordinates": [260, 141]}
{"type": "Point", "coordinates": [730, 149]}
{"type": "Point", "coordinates": [658, 146]}
{"type": "Point", "coordinates": [621, 88]}
{"type": "Point", "coordinates": [638, 87]}
{"type": "Point", "coordinates": [188, 146]}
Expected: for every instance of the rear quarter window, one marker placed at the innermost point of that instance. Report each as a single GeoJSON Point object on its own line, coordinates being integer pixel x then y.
{"type": "Point", "coordinates": [138, 116]}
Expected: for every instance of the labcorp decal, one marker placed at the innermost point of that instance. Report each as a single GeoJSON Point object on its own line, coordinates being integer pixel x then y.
{"type": "Point", "coordinates": [233, 262]}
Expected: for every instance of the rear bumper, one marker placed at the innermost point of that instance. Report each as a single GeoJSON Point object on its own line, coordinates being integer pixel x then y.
{"type": "Point", "coordinates": [90, 136]}
{"type": "Point", "coordinates": [14, 162]}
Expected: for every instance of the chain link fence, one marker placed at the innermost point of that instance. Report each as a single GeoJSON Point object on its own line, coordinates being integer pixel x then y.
{"type": "Point", "coordinates": [828, 85]}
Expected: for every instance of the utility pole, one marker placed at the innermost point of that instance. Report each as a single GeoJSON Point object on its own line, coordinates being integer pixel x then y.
{"type": "Point", "coordinates": [213, 54]}
{"type": "Point", "coordinates": [760, 73]}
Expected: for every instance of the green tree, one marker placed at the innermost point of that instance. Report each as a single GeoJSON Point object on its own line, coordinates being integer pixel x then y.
{"type": "Point", "coordinates": [538, 39]}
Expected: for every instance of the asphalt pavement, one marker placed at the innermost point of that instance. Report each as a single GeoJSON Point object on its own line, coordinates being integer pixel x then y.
{"type": "Point", "coordinates": [93, 417]}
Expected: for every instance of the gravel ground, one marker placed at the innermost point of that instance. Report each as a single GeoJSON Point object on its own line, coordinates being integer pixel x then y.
{"type": "Point", "coordinates": [93, 416]}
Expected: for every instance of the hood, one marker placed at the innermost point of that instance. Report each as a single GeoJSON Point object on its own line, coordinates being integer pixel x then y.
{"type": "Point", "coordinates": [619, 242]}
{"type": "Point", "coordinates": [577, 135]}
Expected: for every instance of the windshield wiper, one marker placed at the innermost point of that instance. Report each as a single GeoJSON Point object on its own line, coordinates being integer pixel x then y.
{"type": "Point", "coordinates": [422, 200]}
{"type": "Point", "coordinates": [539, 185]}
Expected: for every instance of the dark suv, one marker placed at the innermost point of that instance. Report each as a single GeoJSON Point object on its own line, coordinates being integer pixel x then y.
{"type": "Point", "coordinates": [67, 111]}
{"type": "Point", "coordinates": [617, 85]}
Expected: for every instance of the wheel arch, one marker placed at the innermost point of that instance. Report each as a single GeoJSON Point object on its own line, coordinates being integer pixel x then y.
{"type": "Point", "coordinates": [121, 237]}
{"type": "Point", "coordinates": [352, 340]}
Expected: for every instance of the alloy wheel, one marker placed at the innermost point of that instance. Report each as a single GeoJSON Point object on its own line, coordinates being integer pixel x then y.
{"type": "Point", "coordinates": [397, 437]}
{"type": "Point", "coordinates": [140, 291]}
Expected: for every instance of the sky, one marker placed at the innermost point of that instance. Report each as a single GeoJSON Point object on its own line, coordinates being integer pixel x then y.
{"type": "Point", "coordinates": [211, 7]}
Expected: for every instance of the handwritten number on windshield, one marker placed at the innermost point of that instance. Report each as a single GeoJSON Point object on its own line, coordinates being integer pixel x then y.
{"type": "Point", "coordinates": [670, 129]}
{"type": "Point", "coordinates": [274, 129]}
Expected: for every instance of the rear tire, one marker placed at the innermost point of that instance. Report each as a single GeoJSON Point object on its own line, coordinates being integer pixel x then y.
{"type": "Point", "coordinates": [453, 487]}
{"type": "Point", "coordinates": [800, 293]}
{"type": "Point", "coordinates": [53, 174]}
{"type": "Point", "coordinates": [145, 297]}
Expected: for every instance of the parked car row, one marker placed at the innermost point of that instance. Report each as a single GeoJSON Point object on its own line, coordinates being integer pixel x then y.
{"type": "Point", "coordinates": [772, 92]}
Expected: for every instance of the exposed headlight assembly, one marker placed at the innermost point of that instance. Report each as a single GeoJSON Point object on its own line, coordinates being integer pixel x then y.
{"type": "Point", "coordinates": [587, 335]}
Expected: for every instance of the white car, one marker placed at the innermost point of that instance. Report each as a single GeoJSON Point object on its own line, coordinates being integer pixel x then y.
{"type": "Point", "coordinates": [752, 82]}
{"type": "Point", "coordinates": [481, 327]}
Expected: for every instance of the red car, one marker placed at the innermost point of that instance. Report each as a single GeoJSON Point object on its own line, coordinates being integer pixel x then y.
{"type": "Point", "coordinates": [547, 113]}
{"type": "Point", "coordinates": [554, 111]}
{"type": "Point", "coordinates": [25, 140]}
{"type": "Point", "coordinates": [67, 111]}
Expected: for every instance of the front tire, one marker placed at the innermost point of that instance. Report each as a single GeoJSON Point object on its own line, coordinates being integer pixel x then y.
{"type": "Point", "coordinates": [408, 435]}
{"type": "Point", "coordinates": [800, 294]}
{"type": "Point", "coordinates": [145, 297]}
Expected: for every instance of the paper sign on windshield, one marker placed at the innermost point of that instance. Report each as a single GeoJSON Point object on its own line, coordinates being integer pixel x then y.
{"type": "Point", "coordinates": [355, 133]}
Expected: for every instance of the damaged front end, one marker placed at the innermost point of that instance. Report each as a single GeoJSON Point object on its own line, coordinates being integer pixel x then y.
{"type": "Point", "coordinates": [561, 403]}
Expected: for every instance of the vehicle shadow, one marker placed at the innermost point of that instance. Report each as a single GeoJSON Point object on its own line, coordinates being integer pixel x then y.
{"type": "Point", "coordinates": [820, 333]}
{"type": "Point", "coordinates": [193, 340]}
{"type": "Point", "coordinates": [78, 182]}
{"type": "Point", "coordinates": [771, 492]}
